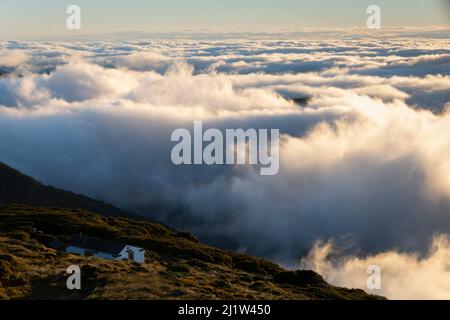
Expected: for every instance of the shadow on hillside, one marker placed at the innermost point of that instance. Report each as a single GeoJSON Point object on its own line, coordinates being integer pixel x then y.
{"type": "Point", "coordinates": [54, 286]}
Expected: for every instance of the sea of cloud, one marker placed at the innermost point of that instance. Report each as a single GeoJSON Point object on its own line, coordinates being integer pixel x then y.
{"type": "Point", "coordinates": [364, 165]}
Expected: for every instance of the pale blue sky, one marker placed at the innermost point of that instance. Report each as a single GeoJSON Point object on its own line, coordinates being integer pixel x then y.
{"type": "Point", "coordinates": [21, 19]}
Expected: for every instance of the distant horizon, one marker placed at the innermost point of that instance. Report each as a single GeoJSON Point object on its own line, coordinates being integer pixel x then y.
{"type": "Point", "coordinates": [441, 31]}
{"type": "Point", "coordinates": [26, 20]}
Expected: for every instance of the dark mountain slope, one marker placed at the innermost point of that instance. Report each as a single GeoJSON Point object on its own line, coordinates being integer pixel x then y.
{"type": "Point", "coordinates": [18, 188]}
{"type": "Point", "coordinates": [178, 266]}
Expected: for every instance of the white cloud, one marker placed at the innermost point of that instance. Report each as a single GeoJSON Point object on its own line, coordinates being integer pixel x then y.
{"type": "Point", "coordinates": [12, 58]}
{"type": "Point", "coordinates": [403, 275]}
{"type": "Point", "coordinates": [365, 157]}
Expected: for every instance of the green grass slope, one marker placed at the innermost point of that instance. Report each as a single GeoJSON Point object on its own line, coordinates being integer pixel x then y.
{"type": "Point", "coordinates": [177, 265]}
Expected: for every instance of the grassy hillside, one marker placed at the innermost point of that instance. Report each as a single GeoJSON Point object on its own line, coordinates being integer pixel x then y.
{"type": "Point", "coordinates": [177, 265]}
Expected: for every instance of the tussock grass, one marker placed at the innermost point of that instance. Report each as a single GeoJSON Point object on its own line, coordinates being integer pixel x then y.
{"type": "Point", "coordinates": [177, 266]}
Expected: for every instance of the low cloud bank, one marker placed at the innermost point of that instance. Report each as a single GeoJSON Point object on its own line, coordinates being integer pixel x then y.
{"type": "Point", "coordinates": [403, 275]}
{"type": "Point", "coordinates": [365, 160]}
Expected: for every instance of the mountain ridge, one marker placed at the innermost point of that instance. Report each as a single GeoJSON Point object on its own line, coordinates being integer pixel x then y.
{"type": "Point", "coordinates": [178, 265]}
{"type": "Point", "coordinates": [16, 187]}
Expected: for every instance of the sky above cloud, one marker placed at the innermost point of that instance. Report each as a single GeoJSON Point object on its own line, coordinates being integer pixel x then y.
{"type": "Point", "coordinates": [28, 19]}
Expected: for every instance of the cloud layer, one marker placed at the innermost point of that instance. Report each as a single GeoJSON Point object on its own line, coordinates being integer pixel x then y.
{"type": "Point", "coordinates": [365, 162]}
{"type": "Point", "coordinates": [403, 275]}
